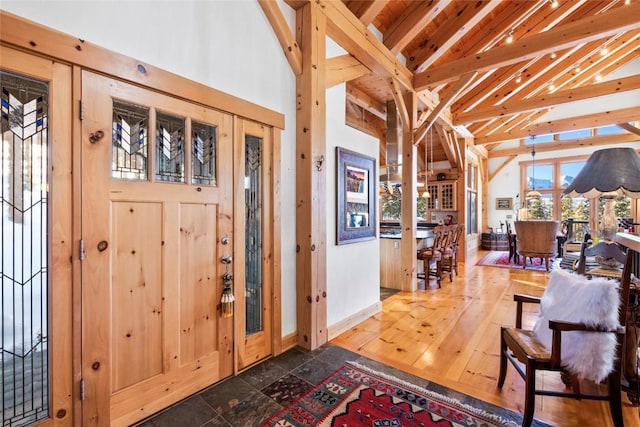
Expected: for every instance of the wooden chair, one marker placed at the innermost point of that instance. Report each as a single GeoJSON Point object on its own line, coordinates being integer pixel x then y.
{"type": "Point", "coordinates": [522, 347]}
{"type": "Point", "coordinates": [511, 238]}
{"type": "Point", "coordinates": [433, 254]}
{"type": "Point", "coordinates": [608, 251]}
{"type": "Point", "coordinates": [450, 255]}
{"type": "Point", "coordinates": [536, 239]}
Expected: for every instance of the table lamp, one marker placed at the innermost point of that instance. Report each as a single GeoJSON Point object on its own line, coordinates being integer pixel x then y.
{"type": "Point", "coordinates": [608, 173]}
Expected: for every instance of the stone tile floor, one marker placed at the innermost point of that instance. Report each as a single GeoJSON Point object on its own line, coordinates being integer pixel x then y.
{"type": "Point", "coordinates": [255, 395]}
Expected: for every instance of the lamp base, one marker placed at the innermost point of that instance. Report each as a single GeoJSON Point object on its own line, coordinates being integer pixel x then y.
{"type": "Point", "coordinates": [609, 223]}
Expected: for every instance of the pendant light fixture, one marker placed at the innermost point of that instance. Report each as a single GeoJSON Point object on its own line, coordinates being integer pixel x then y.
{"type": "Point", "coordinates": [533, 194]}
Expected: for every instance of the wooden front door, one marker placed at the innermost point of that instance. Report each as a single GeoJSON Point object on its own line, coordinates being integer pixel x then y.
{"type": "Point", "coordinates": [157, 221]}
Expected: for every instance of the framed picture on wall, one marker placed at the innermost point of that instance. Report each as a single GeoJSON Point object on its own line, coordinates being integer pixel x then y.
{"type": "Point", "coordinates": [504, 203]}
{"type": "Point", "coordinates": [356, 204]}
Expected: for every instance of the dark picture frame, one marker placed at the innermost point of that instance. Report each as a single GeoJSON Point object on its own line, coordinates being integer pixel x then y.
{"type": "Point", "coordinates": [355, 190]}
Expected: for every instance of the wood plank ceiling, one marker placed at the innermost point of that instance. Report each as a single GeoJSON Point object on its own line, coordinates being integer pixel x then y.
{"type": "Point", "coordinates": [496, 68]}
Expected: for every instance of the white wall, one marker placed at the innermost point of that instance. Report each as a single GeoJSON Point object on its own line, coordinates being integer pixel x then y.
{"type": "Point", "coordinates": [227, 45]}
{"type": "Point", "coordinates": [353, 270]}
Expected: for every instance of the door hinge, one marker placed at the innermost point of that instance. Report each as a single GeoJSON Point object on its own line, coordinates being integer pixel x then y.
{"type": "Point", "coordinates": [81, 249]}
{"type": "Point", "coordinates": [81, 388]}
{"type": "Point", "coordinates": [81, 112]}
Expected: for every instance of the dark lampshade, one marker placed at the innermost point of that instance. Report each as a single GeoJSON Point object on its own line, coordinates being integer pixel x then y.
{"type": "Point", "coordinates": [612, 170]}
{"type": "Point", "coordinates": [608, 173]}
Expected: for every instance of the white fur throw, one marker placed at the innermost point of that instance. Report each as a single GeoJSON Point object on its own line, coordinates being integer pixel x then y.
{"type": "Point", "coordinates": [575, 298]}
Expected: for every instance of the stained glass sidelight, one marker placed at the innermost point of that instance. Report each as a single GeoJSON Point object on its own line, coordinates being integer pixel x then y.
{"type": "Point", "coordinates": [169, 147]}
{"type": "Point", "coordinates": [24, 358]}
{"type": "Point", "coordinates": [203, 158]}
{"type": "Point", "coordinates": [130, 141]}
{"type": "Point", "coordinates": [253, 233]}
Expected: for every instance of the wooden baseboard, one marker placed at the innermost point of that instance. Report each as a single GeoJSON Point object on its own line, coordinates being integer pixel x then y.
{"type": "Point", "coordinates": [291, 340]}
{"type": "Point", "coordinates": [342, 326]}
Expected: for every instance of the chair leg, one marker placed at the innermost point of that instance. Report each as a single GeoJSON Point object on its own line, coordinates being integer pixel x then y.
{"type": "Point", "coordinates": [503, 361]}
{"type": "Point", "coordinates": [530, 394]}
{"type": "Point", "coordinates": [615, 399]}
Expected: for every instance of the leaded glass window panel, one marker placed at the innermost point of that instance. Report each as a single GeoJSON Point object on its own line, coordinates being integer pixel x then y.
{"type": "Point", "coordinates": [169, 147]}
{"type": "Point", "coordinates": [130, 141]}
{"type": "Point", "coordinates": [24, 241]}
{"type": "Point", "coordinates": [203, 158]}
{"type": "Point", "coordinates": [253, 234]}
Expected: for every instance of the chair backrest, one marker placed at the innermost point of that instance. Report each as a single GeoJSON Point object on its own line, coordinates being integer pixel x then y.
{"type": "Point", "coordinates": [456, 236]}
{"type": "Point", "coordinates": [441, 236]}
{"type": "Point", "coordinates": [537, 237]}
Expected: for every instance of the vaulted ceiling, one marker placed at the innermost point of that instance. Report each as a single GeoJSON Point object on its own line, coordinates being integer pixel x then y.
{"type": "Point", "coordinates": [493, 69]}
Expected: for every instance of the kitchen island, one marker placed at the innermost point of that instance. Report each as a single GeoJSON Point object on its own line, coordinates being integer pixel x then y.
{"type": "Point", "coordinates": [390, 265]}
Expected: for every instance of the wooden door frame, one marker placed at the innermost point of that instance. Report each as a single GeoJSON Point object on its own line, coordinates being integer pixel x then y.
{"type": "Point", "coordinates": [49, 44]}
{"type": "Point", "coordinates": [271, 227]}
{"type": "Point", "coordinates": [62, 394]}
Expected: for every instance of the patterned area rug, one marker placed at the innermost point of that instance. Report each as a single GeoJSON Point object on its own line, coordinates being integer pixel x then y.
{"type": "Point", "coordinates": [354, 395]}
{"type": "Point", "coordinates": [501, 259]}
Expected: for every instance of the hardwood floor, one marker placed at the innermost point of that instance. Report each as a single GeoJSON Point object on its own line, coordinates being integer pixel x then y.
{"type": "Point", "coordinates": [450, 335]}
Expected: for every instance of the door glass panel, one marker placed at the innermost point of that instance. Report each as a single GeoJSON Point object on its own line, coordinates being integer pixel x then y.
{"type": "Point", "coordinates": [24, 359]}
{"type": "Point", "coordinates": [130, 141]}
{"type": "Point", "coordinates": [253, 233]}
{"type": "Point", "coordinates": [169, 148]}
{"type": "Point", "coordinates": [203, 160]}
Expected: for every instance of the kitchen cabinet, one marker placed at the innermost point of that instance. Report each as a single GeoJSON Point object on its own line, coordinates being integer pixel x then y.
{"type": "Point", "coordinates": [443, 196]}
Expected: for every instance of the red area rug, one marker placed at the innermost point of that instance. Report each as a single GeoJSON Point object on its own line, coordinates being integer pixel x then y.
{"type": "Point", "coordinates": [501, 259]}
{"type": "Point", "coordinates": [354, 395]}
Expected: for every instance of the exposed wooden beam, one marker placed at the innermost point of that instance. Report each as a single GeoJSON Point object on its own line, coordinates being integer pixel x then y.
{"type": "Point", "coordinates": [503, 85]}
{"type": "Point", "coordinates": [366, 10]}
{"type": "Point", "coordinates": [593, 141]}
{"type": "Point", "coordinates": [283, 33]}
{"type": "Point", "coordinates": [365, 101]}
{"type": "Point", "coordinates": [550, 100]}
{"type": "Point", "coordinates": [456, 145]}
{"type": "Point", "coordinates": [447, 145]}
{"type": "Point", "coordinates": [408, 210]}
{"type": "Point", "coordinates": [629, 128]}
{"type": "Point", "coordinates": [615, 21]}
{"type": "Point", "coordinates": [343, 68]}
{"type": "Point", "coordinates": [361, 119]}
{"type": "Point", "coordinates": [311, 191]}
{"type": "Point", "coordinates": [444, 103]}
{"type": "Point", "coordinates": [479, 150]}
{"type": "Point", "coordinates": [346, 30]}
{"type": "Point", "coordinates": [401, 105]}
{"type": "Point", "coordinates": [449, 34]}
{"type": "Point", "coordinates": [502, 166]}
{"type": "Point", "coordinates": [411, 23]}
